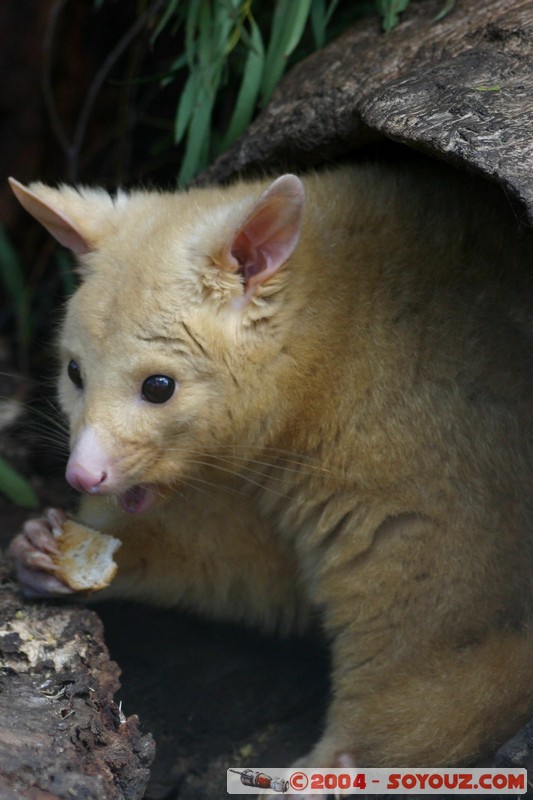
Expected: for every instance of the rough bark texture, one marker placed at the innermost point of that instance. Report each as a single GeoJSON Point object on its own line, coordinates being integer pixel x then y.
{"type": "Point", "coordinates": [459, 89]}
{"type": "Point", "coordinates": [62, 736]}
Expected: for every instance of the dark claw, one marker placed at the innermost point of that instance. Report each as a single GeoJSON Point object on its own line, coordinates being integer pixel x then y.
{"type": "Point", "coordinates": [39, 584]}
{"type": "Point", "coordinates": [32, 550]}
{"type": "Point", "coordinates": [40, 537]}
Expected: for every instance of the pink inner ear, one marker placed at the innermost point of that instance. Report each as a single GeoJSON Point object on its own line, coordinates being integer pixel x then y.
{"type": "Point", "coordinates": [57, 223]}
{"type": "Point", "coordinates": [271, 231]}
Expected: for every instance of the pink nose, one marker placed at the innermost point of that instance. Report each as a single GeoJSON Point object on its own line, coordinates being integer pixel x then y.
{"type": "Point", "coordinates": [83, 480]}
{"type": "Point", "coordinates": [89, 466]}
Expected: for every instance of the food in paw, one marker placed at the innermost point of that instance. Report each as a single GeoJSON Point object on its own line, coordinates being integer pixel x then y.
{"type": "Point", "coordinates": [85, 559]}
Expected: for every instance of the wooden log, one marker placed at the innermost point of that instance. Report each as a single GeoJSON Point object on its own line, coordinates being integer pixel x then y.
{"type": "Point", "coordinates": [61, 734]}
{"type": "Point", "coordinates": [458, 89]}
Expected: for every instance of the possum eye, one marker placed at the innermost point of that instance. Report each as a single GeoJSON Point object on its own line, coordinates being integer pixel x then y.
{"type": "Point", "coordinates": [158, 388]}
{"type": "Point", "coordinates": [74, 374]}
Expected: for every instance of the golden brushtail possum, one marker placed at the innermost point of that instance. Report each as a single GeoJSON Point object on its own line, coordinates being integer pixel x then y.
{"type": "Point", "coordinates": [312, 398]}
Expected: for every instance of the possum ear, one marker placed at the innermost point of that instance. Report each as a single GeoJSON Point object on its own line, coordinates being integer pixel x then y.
{"type": "Point", "coordinates": [55, 221]}
{"type": "Point", "coordinates": [269, 233]}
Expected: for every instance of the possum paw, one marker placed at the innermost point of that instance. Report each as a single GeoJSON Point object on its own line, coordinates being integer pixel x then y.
{"type": "Point", "coordinates": [32, 551]}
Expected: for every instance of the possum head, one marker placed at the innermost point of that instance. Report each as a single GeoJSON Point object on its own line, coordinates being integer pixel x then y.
{"type": "Point", "coordinates": [168, 349]}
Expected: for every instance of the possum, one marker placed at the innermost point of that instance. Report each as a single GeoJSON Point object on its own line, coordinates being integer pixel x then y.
{"type": "Point", "coordinates": [309, 398]}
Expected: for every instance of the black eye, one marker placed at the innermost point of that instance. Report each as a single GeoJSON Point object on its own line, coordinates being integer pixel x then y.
{"type": "Point", "coordinates": [158, 388]}
{"type": "Point", "coordinates": [74, 374]}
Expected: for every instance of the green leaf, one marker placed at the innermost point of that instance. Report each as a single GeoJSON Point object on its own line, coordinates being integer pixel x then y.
{"type": "Point", "coordinates": [287, 29]}
{"type": "Point", "coordinates": [496, 88]}
{"type": "Point", "coordinates": [170, 10]}
{"type": "Point", "coordinates": [170, 75]}
{"type": "Point", "coordinates": [212, 41]}
{"type": "Point", "coordinates": [320, 19]}
{"type": "Point", "coordinates": [197, 138]}
{"type": "Point", "coordinates": [249, 89]}
{"type": "Point", "coordinates": [186, 105]}
{"type": "Point", "coordinates": [15, 487]}
{"type": "Point", "coordinates": [204, 40]}
{"type": "Point", "coordinates": [331, 10]}
{"type": "Point", "coordinates": [390, 10]}
{"type": "Point", "coordinates": [318, 22]}
{"type": "Point", "coordinates": [225, 31]}
{"type": "Point", "coordinates": [191, 24]}
{"type": "Point", "coordinates": [445, 10]}
{"type": "Point", "coordinates": [295, 25]}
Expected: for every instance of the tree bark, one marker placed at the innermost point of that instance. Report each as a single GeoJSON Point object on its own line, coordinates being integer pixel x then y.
{"type": "Point", "coordinates": [458, 89]}
{"type": "Point", "coordinates": [62, 736]}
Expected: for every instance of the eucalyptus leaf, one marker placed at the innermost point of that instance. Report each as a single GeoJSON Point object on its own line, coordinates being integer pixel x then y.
{"type": "Point", "coordinates": [191, 24]}
{"type": "Point", "coordinates": [204, 41]}
{"type": "Point", "coordinates": [320, 17]}
{"type": "Point", "coordinates": [15, 487]}
{"type": "Point", "coordinates": [445, 10]}
{"type": "Point", "coordinates": [249, 89]}
{"type": "Point", "coordinates": [288, 26]}
{"type": "Point", "coordinates": [390, 10]}
{"type": "Point", "coordinates": [331, 10]}
{"type": "Point", "coordinates": [169, 12]}
{"type": "Point", "coordinates": [225, 30]}
{"type": "Point", "coordinates": [197, 138]}
{"type": "Point", "coordinates": [174, 68]}
{"type": "Point", "coordinates": [318, 22]}
{"type": "Point", "coordinates": [296, 22]}
{"type": "Point", "coordinates": [186, 104]}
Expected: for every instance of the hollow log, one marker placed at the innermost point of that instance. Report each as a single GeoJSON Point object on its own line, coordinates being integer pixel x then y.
{"type": "Point", "coordinates": [458, 89]}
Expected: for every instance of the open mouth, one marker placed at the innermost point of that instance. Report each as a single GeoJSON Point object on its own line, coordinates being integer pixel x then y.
{"type": "Point", "coordinates": [137, 499]}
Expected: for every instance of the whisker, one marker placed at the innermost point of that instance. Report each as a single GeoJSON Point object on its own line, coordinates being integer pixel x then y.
{"type": "Point", "coordinates": [41, 425]}
{"type": "Point", "coordinates": [228, 460]}
{"type": "Point", "coordinates": [301, 462]}
{"type": "Point", "coordinates": [198, 462]}
{"type": "Point", "coordinates": [297, 467]}
{"type": "Point", "coordinates": [43, 438]}
{"type": "Point", "coordinates": [46, 434]}
{"type": "Point", "coordinates": [299, 459]}
{"type": "Point", "coordinates": [194, 482]}
{"type": "Point", "coordinates": [54, 418]}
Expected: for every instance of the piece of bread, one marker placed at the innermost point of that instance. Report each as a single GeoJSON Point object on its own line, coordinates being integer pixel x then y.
{"type": "Point", "coordinates": [85, 560]}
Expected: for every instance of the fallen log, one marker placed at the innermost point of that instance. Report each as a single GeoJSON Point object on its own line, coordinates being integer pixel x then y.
{"type": "Point", "coordinates": [61, 733]}
{"type": "Point", "coordinates": [457, 89]}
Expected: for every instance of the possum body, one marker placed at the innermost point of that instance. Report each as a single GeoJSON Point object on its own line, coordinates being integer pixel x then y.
{"type": "Point", "coordinates": [311, 398]}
